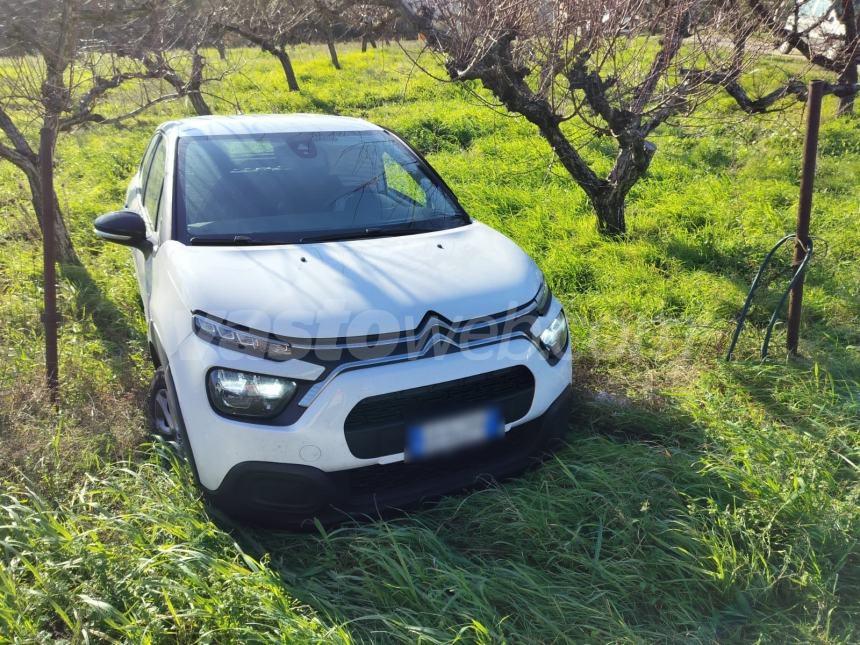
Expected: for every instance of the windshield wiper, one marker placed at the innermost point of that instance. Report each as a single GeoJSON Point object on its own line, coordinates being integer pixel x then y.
{"type": "Point", "coordinates": [231, 240]}
{"type": "Point", "coordinates": [376, 231]}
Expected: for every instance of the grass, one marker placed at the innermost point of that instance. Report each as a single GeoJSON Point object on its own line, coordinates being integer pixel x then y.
{"type": "Point", "coordinates": [697, 500]}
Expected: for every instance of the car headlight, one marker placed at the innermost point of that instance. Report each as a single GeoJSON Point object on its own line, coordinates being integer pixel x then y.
{"type": "Point", "coordinates": [543, 299]}
{"type": "Point", "coordinates": [554, 338]}
{"type": "Point", "coordinates": [245, 394]}
{"type": "Point", "coordinates": [244, 341]}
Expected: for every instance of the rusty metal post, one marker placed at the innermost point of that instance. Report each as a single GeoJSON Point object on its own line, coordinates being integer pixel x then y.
{"type": "Point", "coordinates": [804, 209]}
{"type": "Point", "coordinates": [49, 315]}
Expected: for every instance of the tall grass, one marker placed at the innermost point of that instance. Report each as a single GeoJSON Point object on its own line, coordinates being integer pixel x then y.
{"type": "Point", "coordinates": [696, 500]}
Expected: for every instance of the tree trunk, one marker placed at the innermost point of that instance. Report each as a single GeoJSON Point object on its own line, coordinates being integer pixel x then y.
{"type": "Point", "coordinates": [332, 52]}
{"type": "Point", "coordinates": [195, 82]}
{"type": "Point", "coordinates": [851, 53]}
{"type": "Point", "coordinates": [65, 249]}
{"type": "Point", "coordinates": [286, 63]}
{"type": "Point", "coordinates": [846, 103]}
{"type": "Point", "coordinates": [198, 102]}
{"type": "Point", "coordinates": [606, 195]}
{"type": "Point", "coordinates": [631, 164]}
{"type": "Point", "coordinates": [609, 206]}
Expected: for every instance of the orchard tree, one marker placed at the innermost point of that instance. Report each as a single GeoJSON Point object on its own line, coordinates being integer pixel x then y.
{"type": "Point", "coordinates": [166, 38]}
{"type": "Point", "coordinates": [57, 73]}
{"type": "Point", "coordinates": [324, 22]}
{"type": "Point", "coordinates": [372, 22]}
{"type": "Point", "coordinates": [827, 34]}
{"type": "Point", "coordinates": [618, 68]}
{"type": "Point", "coordinates": [268, 24]}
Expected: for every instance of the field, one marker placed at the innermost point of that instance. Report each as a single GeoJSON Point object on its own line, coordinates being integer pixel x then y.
{"type": "Point", "coordinates": [697, 500]}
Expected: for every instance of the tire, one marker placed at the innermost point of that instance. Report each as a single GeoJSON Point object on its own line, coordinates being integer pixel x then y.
{"type": "Point", "coordinates": [162, 420]}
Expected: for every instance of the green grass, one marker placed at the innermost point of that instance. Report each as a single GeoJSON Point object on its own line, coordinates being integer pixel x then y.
{"type": "Point", "coordinates": [697, 500]}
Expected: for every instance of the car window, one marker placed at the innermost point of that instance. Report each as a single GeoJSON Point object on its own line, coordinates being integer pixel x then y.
{"type": "Point", "coordinates": [147, 157]}
{"type": "Point", "coordinates": [145, 163]}
{"type": "Point", "coordinates": [154, 182]}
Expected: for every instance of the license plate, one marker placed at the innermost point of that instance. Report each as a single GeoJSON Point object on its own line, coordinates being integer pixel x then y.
{"type": "Point", "coordinates": [443, 435]}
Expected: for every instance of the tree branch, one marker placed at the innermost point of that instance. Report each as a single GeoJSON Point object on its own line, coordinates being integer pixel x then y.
{"type": "Point", "coordinates": [794, 39]}
{"type": "Point", "coordinates": [14, 134]}
{"type": "Point", "coordinates": [672, 40]}
{"type": "Point", "coordinates": [594, 89]}
{"type": "Point", "coordinates": [97, 118]}
{"type": "Point", "coordinates": [263, 43]}
{"type": "Point", "coordinates": [15, 157]}
{"type": "Point", "coordinates": [729, 81]}
{"type": "Point", "coordinates": [101, 85]}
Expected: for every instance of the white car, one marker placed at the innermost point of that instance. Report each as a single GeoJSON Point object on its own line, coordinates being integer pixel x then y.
{"type": "Point", "coordinates": [332, 333]}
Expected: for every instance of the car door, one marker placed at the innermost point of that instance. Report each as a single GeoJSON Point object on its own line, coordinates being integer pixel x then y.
{"type": "Point", "coordinates": [147, 200]}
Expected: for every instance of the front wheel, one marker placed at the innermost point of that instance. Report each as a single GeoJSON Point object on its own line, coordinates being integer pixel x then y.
{"type": "Point", "coordinates": [162, 420]}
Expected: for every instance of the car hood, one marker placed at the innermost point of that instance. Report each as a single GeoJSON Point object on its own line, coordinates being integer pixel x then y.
{"type": "Point", "coordinates": [356, 287]}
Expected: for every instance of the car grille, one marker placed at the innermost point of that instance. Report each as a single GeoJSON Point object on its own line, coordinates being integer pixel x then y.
{"type": "Point", "coordinates": [376, 426]}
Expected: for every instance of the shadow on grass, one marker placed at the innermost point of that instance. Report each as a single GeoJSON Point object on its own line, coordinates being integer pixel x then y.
{"type": "Point", "coordinates": [822, 321]}
{"type": "Point", "coordinates": [119, 336]}
{"type": "Point", "coordinates": [321, 105]}
{"type": "Point", "coordinates": [812, 415]}
{"type": "Point", "coordinates": [623, 534]}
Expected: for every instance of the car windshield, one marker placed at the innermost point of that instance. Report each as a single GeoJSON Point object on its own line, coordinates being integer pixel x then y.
{"type": "Point", "coordinates": [306, 186]}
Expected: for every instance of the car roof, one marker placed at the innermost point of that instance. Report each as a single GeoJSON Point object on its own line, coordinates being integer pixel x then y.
{"type": "Point", "coordinates": [202, 126]}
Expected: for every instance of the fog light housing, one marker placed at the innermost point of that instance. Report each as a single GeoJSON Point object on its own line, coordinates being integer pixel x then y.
{"type": "Point", "coordinates": [554, 338]}
{"type": "Point", "coordinates": [245, 394]}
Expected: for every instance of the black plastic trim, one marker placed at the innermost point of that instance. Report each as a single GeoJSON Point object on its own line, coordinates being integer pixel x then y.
{"type": "Point", "coordinates": [173, 400]}
{"type": "Point", "coordinates": [156, 343]}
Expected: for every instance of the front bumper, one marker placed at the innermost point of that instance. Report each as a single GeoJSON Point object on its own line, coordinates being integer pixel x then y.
{"type": "Point", "coordinates": [276, 494]}
{"type": "Point", "coordinates": [317, 439]}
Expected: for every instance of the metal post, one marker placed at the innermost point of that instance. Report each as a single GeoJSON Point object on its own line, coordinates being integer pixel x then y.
{"type": "Point", "coordinates": [804, 209]}
{"type": "Point", "coordinates": [49, 316]}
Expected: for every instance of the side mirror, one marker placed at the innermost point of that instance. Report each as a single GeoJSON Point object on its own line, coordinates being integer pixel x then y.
{"type": "Point", "coordinates": [123, 227]}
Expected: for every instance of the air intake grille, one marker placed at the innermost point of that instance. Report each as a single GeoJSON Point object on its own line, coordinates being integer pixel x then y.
{"type": "Point", "coordinates": [377, 425]}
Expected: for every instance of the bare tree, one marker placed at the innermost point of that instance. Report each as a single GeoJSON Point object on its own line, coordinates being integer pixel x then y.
{"type": "Point", "coordinates": [617, 67]}
{"type": "Point", "coordinates": [268, 24]}
{"type": "Point", "coordinates": [166, 37]}
{"type": "Point", "coordinates": [371, 22]}
{"type": "Point", "coordinates": [55, 76]}
{"type": "Point", "coordinates": [326, 17]}
{"type": "Point", "coordinates": [826, 34]}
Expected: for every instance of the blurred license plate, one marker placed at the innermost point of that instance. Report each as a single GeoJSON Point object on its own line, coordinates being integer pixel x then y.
{"type": "Point", "coordinates": [442, 435]}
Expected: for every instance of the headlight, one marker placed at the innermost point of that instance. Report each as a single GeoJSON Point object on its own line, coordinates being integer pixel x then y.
{"type": "Point", "coordinates": [242, 341]}
{"type": "Point", "coordinates": [543, 299]}
{"type": "Point", "coordinates": [554, 338]}
{"type": "Point", "coordinates": [244, 394]}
